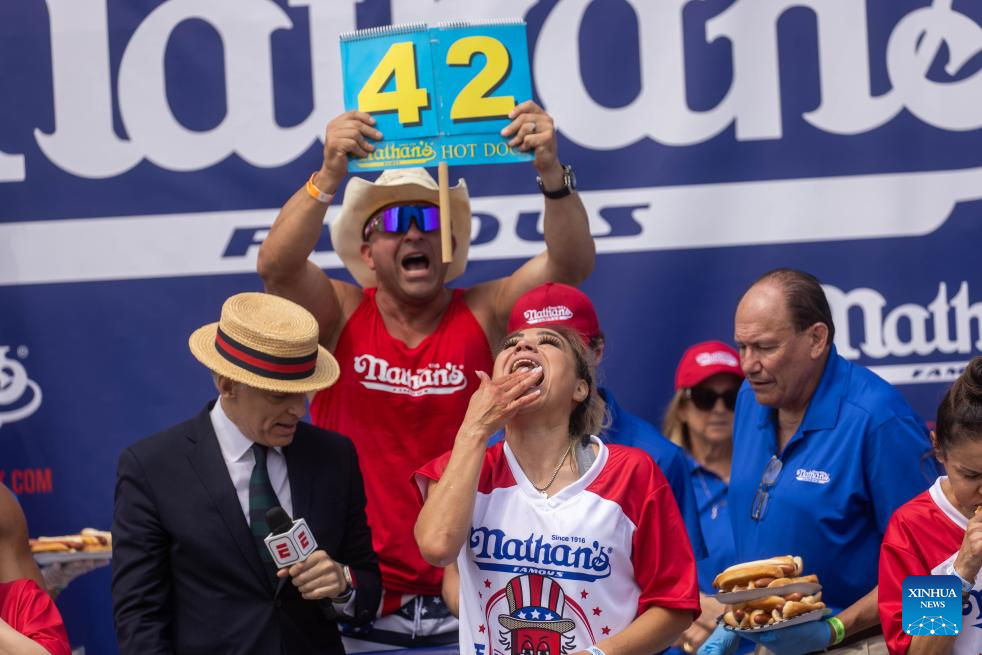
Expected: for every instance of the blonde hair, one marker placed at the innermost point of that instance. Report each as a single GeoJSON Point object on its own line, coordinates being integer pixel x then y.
{"type": "Point", "coordinates": [672, 425]}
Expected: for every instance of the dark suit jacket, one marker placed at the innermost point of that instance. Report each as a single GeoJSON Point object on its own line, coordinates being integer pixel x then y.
{"type": "Point", "coordinates": [187, 577]}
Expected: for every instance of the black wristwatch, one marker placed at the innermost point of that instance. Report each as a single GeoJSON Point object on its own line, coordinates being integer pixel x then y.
{"type": "Point", "coordinates": [569, 184]}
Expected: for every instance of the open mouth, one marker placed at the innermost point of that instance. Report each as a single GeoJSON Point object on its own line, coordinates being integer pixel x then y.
{"type": "Point", "coordinates": [416, 262]}
{"type": "Point", "coordinates": [523, 364]}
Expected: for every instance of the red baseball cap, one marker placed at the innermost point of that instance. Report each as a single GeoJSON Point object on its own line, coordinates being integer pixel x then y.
{"type": "Point", "coordinates": [555, 304]}
{"type": "Point", "coordinates": [705, 360]}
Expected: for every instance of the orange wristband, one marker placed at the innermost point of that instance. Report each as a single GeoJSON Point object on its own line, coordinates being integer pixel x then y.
{"type": "Point", "coordinates": [316, 193]}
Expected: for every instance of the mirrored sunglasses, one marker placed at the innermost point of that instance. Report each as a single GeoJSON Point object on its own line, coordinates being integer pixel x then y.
{"type": "Point", "coordinates": [396, 220]}
{"type": "Point", "coordinates": [705, 399]}
{"type": "Point", "coordinates": [767, 480]}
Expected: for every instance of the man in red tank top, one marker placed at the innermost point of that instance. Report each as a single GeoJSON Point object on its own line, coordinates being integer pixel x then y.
{"type": "Point", "coordinates": [408, 346]}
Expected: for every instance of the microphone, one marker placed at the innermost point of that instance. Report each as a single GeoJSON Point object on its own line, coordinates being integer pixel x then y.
{"type": "Point", "coordinates": [289, 541]}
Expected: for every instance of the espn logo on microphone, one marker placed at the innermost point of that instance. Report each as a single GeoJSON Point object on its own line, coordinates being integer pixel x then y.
{"type": "Point", "coordinates": [292, 546]}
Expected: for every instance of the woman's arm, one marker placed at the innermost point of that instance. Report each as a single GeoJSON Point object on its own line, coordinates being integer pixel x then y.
{"type": "Point", "coordinates": [445, 519]}
{"type": "Point", "coordinates": [14, 643]}
{"type": "Point", "coordinates": [451, 589]}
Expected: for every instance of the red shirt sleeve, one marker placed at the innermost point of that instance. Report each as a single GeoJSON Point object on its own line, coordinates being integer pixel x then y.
{"type": "Point", "coordinates": [897, 561]}
{"type": "Point", "coordinates": [429, 472]}
{"type": "Point", "coordinates": [664, 565]}
{"type": "Point", "coordinates": [30, 611]}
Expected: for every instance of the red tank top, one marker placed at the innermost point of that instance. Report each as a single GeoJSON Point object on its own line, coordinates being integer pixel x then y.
{"type": "Point", "coordinates": [402, 407]}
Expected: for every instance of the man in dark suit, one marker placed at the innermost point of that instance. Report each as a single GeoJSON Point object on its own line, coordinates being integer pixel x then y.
{"type": "Point", "coordinates": [191, 574]}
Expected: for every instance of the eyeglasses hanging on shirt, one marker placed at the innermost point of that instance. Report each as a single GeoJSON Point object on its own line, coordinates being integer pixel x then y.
{"type": "Point", "coordinates": [767, 480]}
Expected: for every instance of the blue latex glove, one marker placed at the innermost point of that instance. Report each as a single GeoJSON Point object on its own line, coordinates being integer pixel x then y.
{"type": "Point", "coordinates": [796, 640]}
{"type": "Point", "coordinates": [721, 642]}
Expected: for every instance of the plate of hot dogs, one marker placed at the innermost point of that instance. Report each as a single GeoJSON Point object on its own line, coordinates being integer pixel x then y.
{"type": "Point", "coordinates": [769, 594]}
{"type": "Point", "coordinates": [776, 576]}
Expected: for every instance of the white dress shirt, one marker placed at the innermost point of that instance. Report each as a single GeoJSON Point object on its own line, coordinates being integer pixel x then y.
{"type": "Point", "coordinates": [240, 460]}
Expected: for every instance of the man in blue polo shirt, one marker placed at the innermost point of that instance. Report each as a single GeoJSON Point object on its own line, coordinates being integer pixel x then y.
{"type": "Point", "coordinates": [824, 451]}
{"type": "Point", "coordinates": [559, 304]}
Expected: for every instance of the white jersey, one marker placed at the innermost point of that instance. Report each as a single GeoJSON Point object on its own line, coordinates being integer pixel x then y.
{"type": "Point", "coordinates": [923, 538]}
{"type": "Point", "coordinates": [546, 576]}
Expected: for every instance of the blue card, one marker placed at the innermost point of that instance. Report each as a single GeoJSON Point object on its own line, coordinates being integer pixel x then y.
{"type": "Point", "coordinates": [932, 605]}
{"type": "Point", "coordinates": [441, 93]}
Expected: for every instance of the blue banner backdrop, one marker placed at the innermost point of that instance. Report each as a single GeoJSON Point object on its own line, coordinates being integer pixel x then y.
{"type": "Point", "coordinates": [146, 146]}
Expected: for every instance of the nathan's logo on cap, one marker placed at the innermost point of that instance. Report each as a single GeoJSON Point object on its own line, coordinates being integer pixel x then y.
{"type": "Point", "coordinates": [547, 314]}
{"type": "Point", "coordinates": [932, 605]}
{"type": "Point", "coordinates": [717, 358]}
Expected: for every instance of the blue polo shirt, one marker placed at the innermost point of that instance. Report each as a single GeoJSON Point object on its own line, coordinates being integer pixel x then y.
{"type": "Point", "coordinates": [714, 519]}
{"type": "Point", "coordinates": [859, 454]}
{"type": "Point", "coordinates": [627, 429]}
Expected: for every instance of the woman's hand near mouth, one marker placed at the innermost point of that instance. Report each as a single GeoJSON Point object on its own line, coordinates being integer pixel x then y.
{"type": "Point", "coordinates": [496, 401]}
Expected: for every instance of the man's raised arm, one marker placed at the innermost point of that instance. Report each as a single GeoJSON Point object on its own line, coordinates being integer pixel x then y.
{"type": "Point", "coordinates": [570, 251]}
{"type": "Point", "coordinates": [284, 263]}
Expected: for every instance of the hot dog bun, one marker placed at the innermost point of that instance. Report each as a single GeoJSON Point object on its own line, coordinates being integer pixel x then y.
{"type": "Point", "coordinates": [793, 609]}
{"type": "Point", "coordinates": [744, 574]}
{"type": "Point", "coordinates": [780, 582]}
{"type": "Point", "coordinates": [767, 603]}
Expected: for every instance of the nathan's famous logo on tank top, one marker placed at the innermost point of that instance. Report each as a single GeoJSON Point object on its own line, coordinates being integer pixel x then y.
{"type": "Point", "coordinates": [441, 379]}
{"type": "Point", "coordinates": [558, 556]}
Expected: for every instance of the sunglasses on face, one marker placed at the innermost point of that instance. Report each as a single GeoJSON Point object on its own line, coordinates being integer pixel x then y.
{"type": "Point", "coordinates": [396, 220]}
{"type": "Point", "coordinates": [705, 399]}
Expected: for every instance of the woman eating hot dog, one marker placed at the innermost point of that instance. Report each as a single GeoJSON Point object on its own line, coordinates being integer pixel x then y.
{"type": "Point", "coordinates": [562, 544]}
{"type": "Point", "coordinates": [940, 531]}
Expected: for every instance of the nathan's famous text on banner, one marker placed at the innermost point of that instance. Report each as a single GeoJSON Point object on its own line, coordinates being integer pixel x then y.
{"type": "Point", "coordinates": [438, 93]}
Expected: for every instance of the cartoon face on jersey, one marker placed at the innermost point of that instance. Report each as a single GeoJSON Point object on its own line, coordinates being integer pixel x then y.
{"type": "Point", "coordinates": [535, 641]}
{"type": "Point", "coordinates": [535, 616]}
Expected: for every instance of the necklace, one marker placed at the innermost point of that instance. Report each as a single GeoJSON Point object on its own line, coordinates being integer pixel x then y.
{"type": "Point", "coordinates": [555, 473]}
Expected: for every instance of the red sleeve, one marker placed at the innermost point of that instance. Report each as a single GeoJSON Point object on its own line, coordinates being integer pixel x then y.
{"type": "Point", "coordinates": [36, 616]}
{"type": "Point", "coordinates": [664, 566]}
{"type": "Point", "coordinates": [897, 560]}
{"type": "Point", "coordinates": [430, 472]}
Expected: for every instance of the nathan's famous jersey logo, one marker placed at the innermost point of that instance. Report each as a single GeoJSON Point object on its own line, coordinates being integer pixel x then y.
{"type": "Point", "coordinates": [376, 373]}
{"type": "Point", "coordinates": [558, 556]}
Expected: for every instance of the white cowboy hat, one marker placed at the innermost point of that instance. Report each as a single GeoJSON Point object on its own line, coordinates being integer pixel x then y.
{"type": "Point", "coordinates": [363, 199]}
{"type": "Point", "coordinates": [266, 342]}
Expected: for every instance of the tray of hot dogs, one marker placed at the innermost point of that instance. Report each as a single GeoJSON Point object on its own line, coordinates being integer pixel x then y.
{"type": "Point", "coordinates": [769, 594]}
{"type": "Point", "coordinates": [89, 544]}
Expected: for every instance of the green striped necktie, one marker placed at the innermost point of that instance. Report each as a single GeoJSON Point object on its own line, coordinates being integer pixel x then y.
{"type": "Point", "coordinates": [262, 498]}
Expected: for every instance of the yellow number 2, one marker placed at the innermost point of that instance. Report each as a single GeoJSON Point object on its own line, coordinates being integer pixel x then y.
{"type": "Point", "coordinates": [407, 98]}
{"type": "Point", "coordinates": [473, 100]}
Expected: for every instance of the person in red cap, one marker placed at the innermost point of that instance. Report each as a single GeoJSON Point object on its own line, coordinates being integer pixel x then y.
{"type": "Point", "coordinates": [700, 419]}
{"type": "Point", "coordinates": [553, 303]}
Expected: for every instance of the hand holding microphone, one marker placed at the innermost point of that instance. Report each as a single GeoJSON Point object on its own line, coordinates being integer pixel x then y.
{"type": "Point", "coordinates": [294, 551]}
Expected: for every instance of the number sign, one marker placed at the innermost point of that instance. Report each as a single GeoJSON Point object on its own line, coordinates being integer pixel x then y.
{"type": "Point", "coordinates": [441, 93]}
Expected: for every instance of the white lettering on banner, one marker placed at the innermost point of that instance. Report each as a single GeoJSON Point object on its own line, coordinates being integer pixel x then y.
{"type": "Point", "coordinates": [661, 218]}
{"type": "Point", "coordinates": [882, 331]}
{"type": "Point", "coordinates": [86, 145]}
{"type": "Point", "coordinates": [378, 374]}
{"type": "Point", "coordinates": [20, 396]}
{"type": "Point", "coordinates": [753, 101]}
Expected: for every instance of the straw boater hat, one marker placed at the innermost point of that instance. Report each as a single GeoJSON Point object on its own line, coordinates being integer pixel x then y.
{"type": "Point", "coordinates": [266, 342]}
{"type": "Point", "coordinates": [363, 199]}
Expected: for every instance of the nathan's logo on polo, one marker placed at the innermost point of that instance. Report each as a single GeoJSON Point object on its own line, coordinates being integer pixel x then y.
{"type": "Point", "coordinates": [932, 605]}
{"type": "Point", "coordinates": [549, 314]}
{"type": "Point", "coordinates": [815, 477]}
{"type": "Point", "coordinates": [940, 333]}
{"type": "Point", "coordinates": [378, 374]}
{"type": "Point", "coordinates": [557, 556]}
{"type": "Point", "coordinates": [20, 396]}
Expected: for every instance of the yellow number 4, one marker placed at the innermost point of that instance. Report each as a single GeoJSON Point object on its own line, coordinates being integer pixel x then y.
{"type": "Point", "coordinates": [407, 98]}
{"type": "Point", "coordinates": [473, 101]}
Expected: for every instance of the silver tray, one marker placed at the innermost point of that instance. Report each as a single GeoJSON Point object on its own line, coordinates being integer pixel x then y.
{"type": "Point", "coordinates": [807, 617]}
{"type": "Point", "coordinates": [43, 559]}
{"type": "Point", "coordinates": [734, 597]}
